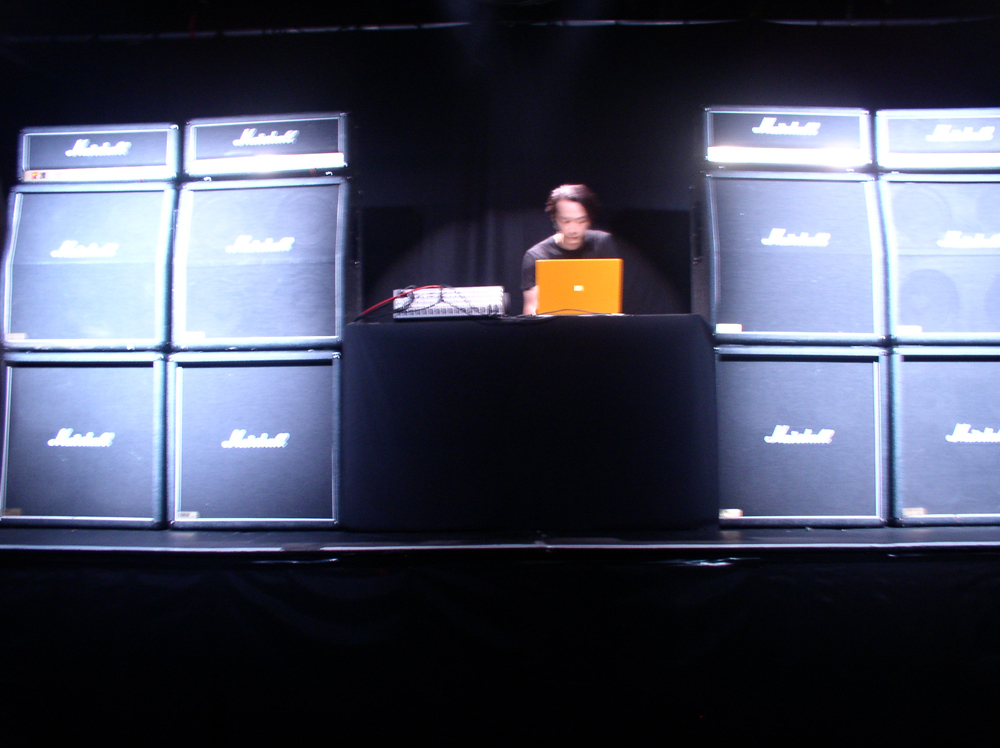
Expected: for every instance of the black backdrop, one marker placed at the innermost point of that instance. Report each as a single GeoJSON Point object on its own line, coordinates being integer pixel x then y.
{"type": "Point", "coordinates": [460, 132]}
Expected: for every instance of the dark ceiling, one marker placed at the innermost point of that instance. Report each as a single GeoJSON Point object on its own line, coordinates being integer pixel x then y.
{"type": "Point", "coordinates": [28, 18]}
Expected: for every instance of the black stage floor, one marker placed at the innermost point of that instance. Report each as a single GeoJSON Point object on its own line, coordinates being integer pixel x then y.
{"type": "Point", "coordinates": [712, 542]}
{"type": "Point", "coordinates": [228, 637]}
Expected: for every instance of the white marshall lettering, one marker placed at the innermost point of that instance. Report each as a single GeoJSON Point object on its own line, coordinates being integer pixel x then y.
{"type": "Point", "coordinates": [70, 248]}
{"type": "Point", "coordinates": [83, 147]}
{"type": "Point", "coordinates": [239, 439]}
{"type": "Point", "coordinates": [246, 243]}
{"type": "Point", "coordinates": [781, 435]}
{"type": "Point", "coordinates": [66, 438]}
{"type": "Point", "coordinates": [778, 237]}
{"type": "Point", "coordinates": [771, 126]}
{"type": "Point", "coordinates": [958, 240]}
{"type": "Point", "coordinates": [948, 134]}
{"type": "Point", "coordinates": [964, 433]}
{"type": "Point", "coordinates": [250, 136]}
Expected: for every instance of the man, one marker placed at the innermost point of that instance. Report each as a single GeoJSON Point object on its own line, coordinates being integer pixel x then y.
{"type": "Point", "coordinates": [572, 208]}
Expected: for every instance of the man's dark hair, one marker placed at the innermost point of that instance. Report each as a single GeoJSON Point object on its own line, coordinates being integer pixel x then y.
{"type": "Point", "coordinates": [579, 193]}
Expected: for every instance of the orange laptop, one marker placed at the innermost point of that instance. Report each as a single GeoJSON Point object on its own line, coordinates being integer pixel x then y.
{"type": "Point", "coordinates": [579, 286]}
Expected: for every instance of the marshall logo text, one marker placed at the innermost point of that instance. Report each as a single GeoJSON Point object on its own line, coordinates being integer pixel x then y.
{"type": "Point", "coordinates": [771, 126]}
{"type": "Point", "coordinates": [246, 243]}
{"type": "Point", "coordinates": [66, 438]}
{"type": "Point", "coordinates": [779, 238]}
{"type": "Point", "coordinates": [947, 134]}
{"type": "Point", "coordinates": [83, 147]}
{"type": "Point", "coordinates": [239, 439]}
{"type": "Point", "coordinates": [781, 435]}
{"type": "Point", "coordinates": [70, 248]}
{"type": "Point", "coordinates": [958, 240]}
{"type": "Point", "coordinates": [964, 433]}
{"type": "Point", "coordinates": [250, 136]}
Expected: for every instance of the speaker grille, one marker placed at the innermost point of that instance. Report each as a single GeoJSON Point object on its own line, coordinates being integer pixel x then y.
{"type": "Point", "coordinates": [88, 269]}
{"type": "Point", "coordinates": [771, 467]}
{"type": "Point", "coordinates": [944, 241]}
{"type": "Point", "coordinates": [945, 455]}
{"type": "Point", "coordinates": [795, 256]}
{"type": "Point", "coordinates": [254, 442]}
{"type": "Point", "coordinates": [82, 442]}
{"type": "Point", "coordinates": [260, 262]}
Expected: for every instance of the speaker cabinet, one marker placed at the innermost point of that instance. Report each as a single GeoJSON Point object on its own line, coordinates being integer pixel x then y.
{"type": "Point", "coordinates": [801, 441]}
{"type": "Point", "coordinates": [793, 259]}
{"type": "Point", "coordinates": [782, 136]}
{"type": "Point", "coordinates": [265, 144]}
{"type": "Point", "coordinates": [949, 139]}
{"type": "Point", "coordinates": [260, 264]}
{"type": "Point", "coordinates": [86, 266]}
{"type": "Point", "coordinates": [254, 439]}
{"type": "Point", "coordinates": [99, 153]}
{"type": "Point", "coordinates": [946, 435]}
{"type": "Point", "coordinates": [943, 235]}
{"type": "Point", "coordinates": [83, 439]}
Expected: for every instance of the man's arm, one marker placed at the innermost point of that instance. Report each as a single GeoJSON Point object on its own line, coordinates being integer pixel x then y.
{"type": "Point", "coordinates": [531, 300]}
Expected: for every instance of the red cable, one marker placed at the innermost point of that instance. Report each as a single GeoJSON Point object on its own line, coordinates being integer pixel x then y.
{"type": "Point", "coordinates": [407, 292]}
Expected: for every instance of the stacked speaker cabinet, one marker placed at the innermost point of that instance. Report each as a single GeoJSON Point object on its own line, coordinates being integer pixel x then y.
{"type": "Point", "coordinates": [801, 438]}
{"type": "Point", "coordinates": [259, 263]}
{"type": "Point", "coordinates": [258, 287]}
{"type": "Point", "coordinates": [792, 256]}
{"type": "Point", "coordinates": [941, 201]}
{"type": "Point", "coordinates": [86, 266]}
{"type": "Point", "coordinates": [947, 435]}
{"type": "Point", "coordinates": [85, 277]}
{"type": "Point", "coordinates": [83, 439]}
{"type": "Point", "coordinates": [254, 439]}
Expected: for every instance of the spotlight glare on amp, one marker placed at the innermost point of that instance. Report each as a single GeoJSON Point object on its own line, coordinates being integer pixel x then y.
{"type": "Point", "coordinates": [844, 158]}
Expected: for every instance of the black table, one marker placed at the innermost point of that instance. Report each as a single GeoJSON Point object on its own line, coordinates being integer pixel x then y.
{"type": "Point", "coordinates": [548, 423]}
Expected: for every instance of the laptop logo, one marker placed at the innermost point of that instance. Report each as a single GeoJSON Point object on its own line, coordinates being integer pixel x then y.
{"type": "Point", "coordinates": [948, 134]}
{"type": "Point", "coordinates": [66, 438]}
{"type": "Point", "coordinates": [239, 439]}
{"type": "Point", "coordinates": [247, 244]}
{"type": "Point", "coordinates": [782, 435]}
{"type": "Point", "coordinates": [965, 434]}
{"type": "Point", "coordinates": [958, 240]}
{"type": "Point", "coordinates": [771, 126]}
{"type": "Point", "coordinates": [779, 238]}
{"type": "Point", "coordinates": [70, 248]}
{"type": "Point", "coordinates": [250, 136]}
{"type": "Point", "coordinates": [83, 147]}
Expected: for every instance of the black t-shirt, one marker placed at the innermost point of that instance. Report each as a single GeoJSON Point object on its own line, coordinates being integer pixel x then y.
{"type": "Point", "coordinates": [596, 245]}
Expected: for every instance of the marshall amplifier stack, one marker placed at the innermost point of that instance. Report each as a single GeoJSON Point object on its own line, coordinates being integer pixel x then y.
{"type": "Point", "coordinates": [792, 256]}
{"type": "Point", "coordinates": [940, 192]}
{"type": "Point", "coordinates": [808, 243]}
{"type": "Point", "coordinates": [249, 438]}
{"type": "Point", "coordinates": [85, 280]}
{"type": "Point", "coordinates": [258, 264]}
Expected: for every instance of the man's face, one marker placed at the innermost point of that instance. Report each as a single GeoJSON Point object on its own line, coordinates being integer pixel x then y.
{"type": "Point", "coordinates": [572, 222]}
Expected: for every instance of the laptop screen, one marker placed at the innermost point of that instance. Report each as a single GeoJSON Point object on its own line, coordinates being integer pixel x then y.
{"type": "Point", "coordinates": [579, 286]}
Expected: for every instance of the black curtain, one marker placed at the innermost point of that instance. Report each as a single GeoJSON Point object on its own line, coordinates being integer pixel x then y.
{"type": "Point", "coordinates": [461, 132]}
